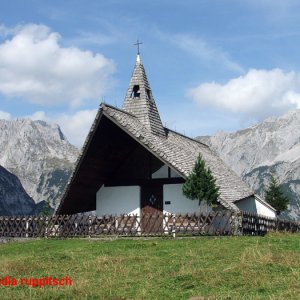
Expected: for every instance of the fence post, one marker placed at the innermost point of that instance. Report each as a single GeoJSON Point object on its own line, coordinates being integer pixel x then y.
{"type": "Point", "coordinates": [174, 227]}
{"type": "Point", "coordinates": [26, 228]}
{"type": "Point", "coordinates": [277, 224]}
{"type": "Point", "coordinates": [117, 222]}
{"type": "Point", "coordinates": [240, 218]}
{"type": "Point", "coordinates": [138, 220]}
{"type": "Point", "coordinates": [233, 223]}
{"type": "Point", "coordinates": [46, 229]}
{"type": "Point", "coordinates": [90, 226]}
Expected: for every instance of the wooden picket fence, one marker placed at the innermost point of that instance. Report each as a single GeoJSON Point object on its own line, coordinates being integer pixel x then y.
{"type": "Point", "coordinates": [81, 225]}
{"type": "Point", "coordinates": [253, 224]}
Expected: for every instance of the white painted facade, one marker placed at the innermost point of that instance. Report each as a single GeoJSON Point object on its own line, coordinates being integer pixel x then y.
{"type": "Point", "coordinates": [118, 200]}
{"type": "Point", "coordinates": [126, 200]}
{"type": "Point", "coordinates": [255, 205]}
{"type": "Point", "coordinates": [247, 205]}
{"type": "Point", "coordinates": [179, 203]}
{"type": "Point", "coordinates": [163, 172]}
{"type": "Point", "coordinates": [264, 210]}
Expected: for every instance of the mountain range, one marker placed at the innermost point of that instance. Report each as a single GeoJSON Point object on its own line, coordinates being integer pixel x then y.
{"type": "Point", "coordinates": [37, 160]}
{"type": "Point", "coordinates": [270, 146]}
{"type": "Point", "coordinates": [39, 154]}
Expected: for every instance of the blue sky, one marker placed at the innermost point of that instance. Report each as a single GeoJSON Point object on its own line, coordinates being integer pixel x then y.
{"type": "Point", "coordinates": [212, 64]}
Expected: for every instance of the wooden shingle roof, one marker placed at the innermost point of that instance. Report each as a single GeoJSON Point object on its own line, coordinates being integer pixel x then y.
{"type": "Point", "coordinates": [116, 132]}
{"type": "Point", "coordinates": [139, 100]}
{"type": "Point", "coordinates": [180, 153]}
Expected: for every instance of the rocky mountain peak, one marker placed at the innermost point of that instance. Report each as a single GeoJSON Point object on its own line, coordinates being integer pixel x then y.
{"type": "Point", "coordinates": [273, 145]}
{"type": "Point", "coordinates": [39, 154]}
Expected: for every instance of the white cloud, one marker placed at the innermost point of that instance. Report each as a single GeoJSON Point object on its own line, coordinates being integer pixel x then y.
{"type": "Point", "coordinates": [5, 31]}
{"type": "Point", "coordinates": [38, 115]}
{"type": "Point", "coordinates": [98, 39]}
{"type": "Point", "coordinates": [4, 115]}
{"type": "Point", "coordinates": [203, 50]}
{"type": "Point", "coordinates": [258, 94]}
{"type": "Point", "coordinates": [74, 126]}
{"type": "Point", "coordinates": [34, 66]}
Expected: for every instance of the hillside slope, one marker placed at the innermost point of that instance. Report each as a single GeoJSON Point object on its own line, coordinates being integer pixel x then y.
{"type": "Point", "coordinates": [13, 198]}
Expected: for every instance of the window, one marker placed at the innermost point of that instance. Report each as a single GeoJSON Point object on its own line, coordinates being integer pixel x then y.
{"type": "Point", "coordinates": [161, 173]}
{"type": "Point", "coordinates": [136, 92]}
{"type": "Point", "coordinates": [148, 95]}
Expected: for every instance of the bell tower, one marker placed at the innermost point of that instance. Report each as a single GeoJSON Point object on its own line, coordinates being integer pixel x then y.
{"type": "Point", "coordinates": [139, 100]}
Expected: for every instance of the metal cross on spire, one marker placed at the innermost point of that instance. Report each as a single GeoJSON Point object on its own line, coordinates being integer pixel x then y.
{"type": "Point", "coordinates": [138, 43]}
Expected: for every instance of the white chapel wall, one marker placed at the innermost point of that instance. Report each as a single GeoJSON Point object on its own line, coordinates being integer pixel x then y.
{"type": "Point", "coordinates": [255, 206]}
{"type": "Point", "coordinates": [174, 174]}
{"type": "Point", "coordinates": [262, 209]}
{"type": "Point", "coordinates": [118, 200]}
{"type": "Point", "coordinates": [163, 172]}
{"type": "Point", "coordinates": [172, 193]}
{"type": "Point", "coordinates": [248, 205]}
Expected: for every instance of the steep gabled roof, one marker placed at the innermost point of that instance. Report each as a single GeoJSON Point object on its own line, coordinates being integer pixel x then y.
{"type": "Point", "coordinates": [175, 150]}
{"type": "Point", "coordinates": [180, 153]}
{"type": "Point", "coordinates": [115, 134]}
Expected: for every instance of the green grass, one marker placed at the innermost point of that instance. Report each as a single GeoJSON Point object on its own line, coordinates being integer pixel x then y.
{"type": "Point", "coordinates": [210, 268]}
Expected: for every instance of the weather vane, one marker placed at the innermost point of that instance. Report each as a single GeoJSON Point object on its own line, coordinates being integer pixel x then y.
{"type": "Point", "coordinates": [138, 43]}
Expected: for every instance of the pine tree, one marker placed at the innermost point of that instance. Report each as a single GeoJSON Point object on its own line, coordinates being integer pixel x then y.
{"type": "Point", "coordinates": [275, 196]}
{"type": "Point", "coordinates": [46, 208]}
{"type": "Point", "coordinates": [201, 184]}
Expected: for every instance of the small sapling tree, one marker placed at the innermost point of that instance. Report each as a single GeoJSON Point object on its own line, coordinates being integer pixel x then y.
{"type": "Point", "coordinates": [201, 185]}
{"type": "Point", "coordinates": [275, 196]}
{"type": "Point", "coordinates": [46, 208]}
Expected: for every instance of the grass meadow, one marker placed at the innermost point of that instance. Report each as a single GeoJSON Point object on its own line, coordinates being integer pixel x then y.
{"type": "Point", "coordinates": [205, 267]}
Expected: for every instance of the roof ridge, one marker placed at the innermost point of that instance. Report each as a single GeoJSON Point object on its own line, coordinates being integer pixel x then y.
{"type": "Point", "coordinates": [119, 109]}
{"type": "Point", "coordinates": [187, 137]}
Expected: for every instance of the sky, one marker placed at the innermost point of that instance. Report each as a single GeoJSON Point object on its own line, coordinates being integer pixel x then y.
{"type": "Point", "coordinates": [212, 64]}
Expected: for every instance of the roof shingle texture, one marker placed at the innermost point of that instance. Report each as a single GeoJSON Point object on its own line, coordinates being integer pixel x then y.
{"type": "Point", "coordinates": [180, 153]}
{"type": "Point", "coordinates": [143, 107]}
{"type": "Point", "coordinates": [140, 119]}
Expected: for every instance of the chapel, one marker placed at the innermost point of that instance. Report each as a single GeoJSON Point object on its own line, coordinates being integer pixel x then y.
{"type": "Point", "coordinates": [132, 164]}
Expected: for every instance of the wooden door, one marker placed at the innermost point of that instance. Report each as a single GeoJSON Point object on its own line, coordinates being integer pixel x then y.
{"type": "Point", "coordinates": [152, 208]}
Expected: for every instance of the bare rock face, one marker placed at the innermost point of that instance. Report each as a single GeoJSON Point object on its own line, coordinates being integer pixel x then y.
{"type": "Point", "coordinates": [273, 145]}
{"type": "Point", "coordinates": [13, 198]}
{"type": "Point", "coordinates": [39, 155]}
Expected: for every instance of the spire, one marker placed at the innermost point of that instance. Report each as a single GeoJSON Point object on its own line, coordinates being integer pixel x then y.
{"type": "Point", "coordinates": [140, 102]}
